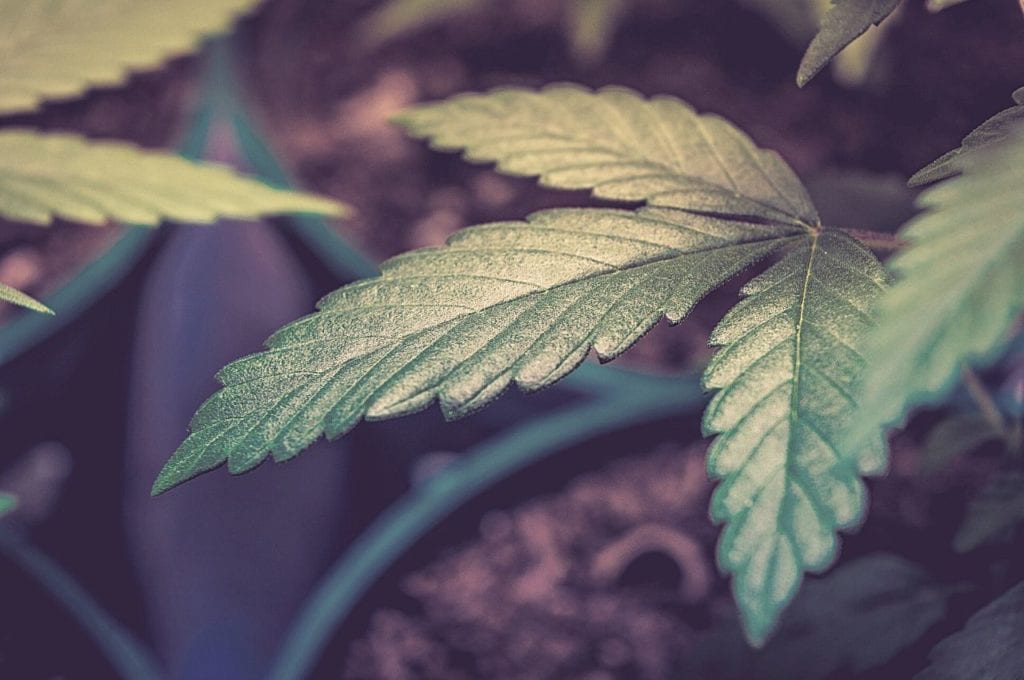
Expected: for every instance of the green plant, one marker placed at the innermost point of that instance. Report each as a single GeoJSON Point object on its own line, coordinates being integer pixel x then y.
{"type": "Point", "coordinates": [58, 50]}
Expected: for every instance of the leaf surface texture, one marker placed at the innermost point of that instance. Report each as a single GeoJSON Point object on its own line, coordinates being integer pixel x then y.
{"type": "Point", "coordinates": [16, 297]}
{"type": "Point", "coordinates": [503, 302]}
{"type": "Point", "coordinates": [786, 374]}
{"type": "Point", "coordinates": [57, 49]}
{"type": "Point", "coordinates": [49, 175]}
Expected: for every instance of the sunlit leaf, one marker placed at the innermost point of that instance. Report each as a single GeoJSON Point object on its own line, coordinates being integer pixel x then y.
{"type": "Point", "coordinates": [16, 297]}
{"type": "Point", "coordinates": [49, 175]}
{"type": "Point", "coordinates": [786, 376]}
{"type": "Point", "coordinates": [57, 49]}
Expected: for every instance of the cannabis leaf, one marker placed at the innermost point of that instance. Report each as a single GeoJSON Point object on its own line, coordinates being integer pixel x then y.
{"type": "Point", "coordinates": [503, 302]}
{"type": "Point", "coordinates": [939, 5]}
{"type": "Point", "coordinates": [16, 297]}
{"type": "Point", "coordinates": [961, 286]}
{"type": "Point", "coordinates": [57, 49]}
{"type": "Point", "coordinates": [993, 131]}
{"type": "Point", "coordinates": [956, 436]}
{"type": "Point", "coordinates": [844, 23]}
{"type": "Point", "coordinates": [395, 18]}
{"type": "Point", "coordinates": [856, 618]}
{"type": "Point", "coordinates": [524, 302]}
{"type": "Point", "coordinates": [989, 646]}
{"type": "Point", "coordinates": [47, 175]}
{"type": "Point", "coordinates": [621, 147]}
{"type": "Point", "coordinates": [786, 374]}
{"type": "Point", "coordinates": [999, 506]}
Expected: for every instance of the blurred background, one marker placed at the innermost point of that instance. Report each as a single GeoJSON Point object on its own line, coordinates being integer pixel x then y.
{"type": "Point", "coordinates": [563, 535]}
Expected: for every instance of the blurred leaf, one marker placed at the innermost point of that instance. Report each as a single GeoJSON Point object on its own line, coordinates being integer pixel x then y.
{"type": "Point", "coordinates": [7, 502]}
{"type": "Point", "coordinates": [785, 374]}
{"type": "Point", "coordinates": [999, 506]}
{"type": "Point", "coordinates": [16, 297]}
{"type": "Point", "coordinates": [955, 436]}
{"type": "Point", "coordinates": [961, 287]}
{"type": "Point", "coordinates": [855, 619]}
{"type": "Point", "coordinates": [987, 648]}
{"type": "Point", "coordinates": [591, 27]}
{"type": "Point", "coordinates": [844, 22]}
{"type": "Point", "coordinates": [48, 175]}
{"type": "Point", "coordinates": [990, 133]}
{"type": "Point", "coordinates": [57, 49]}
{"type": "Point", "coordinates": [396, 18]}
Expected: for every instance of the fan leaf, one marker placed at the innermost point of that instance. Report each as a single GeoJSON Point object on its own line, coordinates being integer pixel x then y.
{"type": "Point", "coordinates": [621, 147]}
{"type": "Point", "coordinates": [785, 374]}
{"type": "Point", "coordinates": [961, 285]}
{"type": "Point", "coordinates": [998, 507]}
{"type": "Point", "coordinates": [992, 132]}
{"type": "Point", "coordinates": [988, 647]}
{"type": "Point", "coordinates": [507, 302]}
{"type": "Point", "coordinates": [49, 175]}
{"type": "Point", "coordinates": [57, 49]}
{"type": "Point", "coordinates": [16, 297]}
{"type": "Point", "coordinates": [842, 24]}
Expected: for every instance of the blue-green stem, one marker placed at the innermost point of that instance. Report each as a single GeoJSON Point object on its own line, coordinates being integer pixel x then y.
{"type": "Point", "coordinates": [412, 516]}
{"type": "Point", "coordinates": [125, 653]}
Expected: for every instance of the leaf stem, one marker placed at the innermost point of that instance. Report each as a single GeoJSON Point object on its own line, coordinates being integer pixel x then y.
{"type": "Point", "coordinates": [986, 404]}
{"type": "Point", "coordinates": [877, 240]}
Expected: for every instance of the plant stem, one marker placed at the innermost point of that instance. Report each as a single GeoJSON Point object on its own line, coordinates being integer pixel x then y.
{"type": "Point", "coordinates": [877, 240]}
{"type": "Point", "coordinates": [986, 404]}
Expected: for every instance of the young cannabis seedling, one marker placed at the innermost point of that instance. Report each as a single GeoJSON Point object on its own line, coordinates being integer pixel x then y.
{"type": "Point", "coordinates": [525, 302]}
{"type": "Point", "coordinates": [58, 50]}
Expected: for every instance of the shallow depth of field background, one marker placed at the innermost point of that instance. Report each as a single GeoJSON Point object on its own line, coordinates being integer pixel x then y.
{"type": "Point", "coordinates": [593, 563]}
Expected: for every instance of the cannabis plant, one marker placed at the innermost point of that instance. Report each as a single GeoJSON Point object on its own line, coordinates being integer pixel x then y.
{"type": "Point", "coordinates": [56, 50]}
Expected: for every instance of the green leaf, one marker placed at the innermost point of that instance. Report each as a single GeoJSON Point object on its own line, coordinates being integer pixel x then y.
{"type": "Point", "coordinates": [785, 375]}
{"type": "Point", "coordinates": [989, 646]}
{"type": "Point", "coordinates": [621, 147]}
{"type": "Point", "coordinates": [48, 175]}
{"type": "Point", "coordinates": [998, 507]}
{"type": "Point", "coordinates": [591, 27]}
{"type": "Point", "coordinates": [955, 436]}
{"type": "Point", "coordinates": [961, 287]}
{"type": "Point", "coordinates": [57, 49]}
{"type": "Point", "coordinates": [992, 132]}
{"type": "Point", "coordinates": [16, 297]}
{"type": "Point", "coordinates": [396, 18]}
{"type": "Point", "coordinates": [506, 302]}
{"type": "Point", "coordinates": [7, 502]}
{"type": "Point", "coordinates": [855, 619]}
{"type": "Point", "coordinates": [844, 23]}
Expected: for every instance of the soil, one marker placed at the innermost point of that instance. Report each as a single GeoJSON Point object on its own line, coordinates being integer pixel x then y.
{"type": "Point", "coordinates": [148, 111]}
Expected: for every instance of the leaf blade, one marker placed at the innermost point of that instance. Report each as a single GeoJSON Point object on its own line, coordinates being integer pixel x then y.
{"type": "Point", "coordinates": [784, 375]}
{"type": "Point", "coordinates": [923, 338]}
{"type": "Point", "coordinates": [48, 175]}
{"type": "Point", "coordinates": [618, 145]}
{"type": "Point", "coordinates": [58, 50]}
{"type": "Point", "coordinates": [845, 22]}
{"type": "Point", "coordinates": [16, 297]}
{"type": "Point", "coordinates": [518, 302]}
